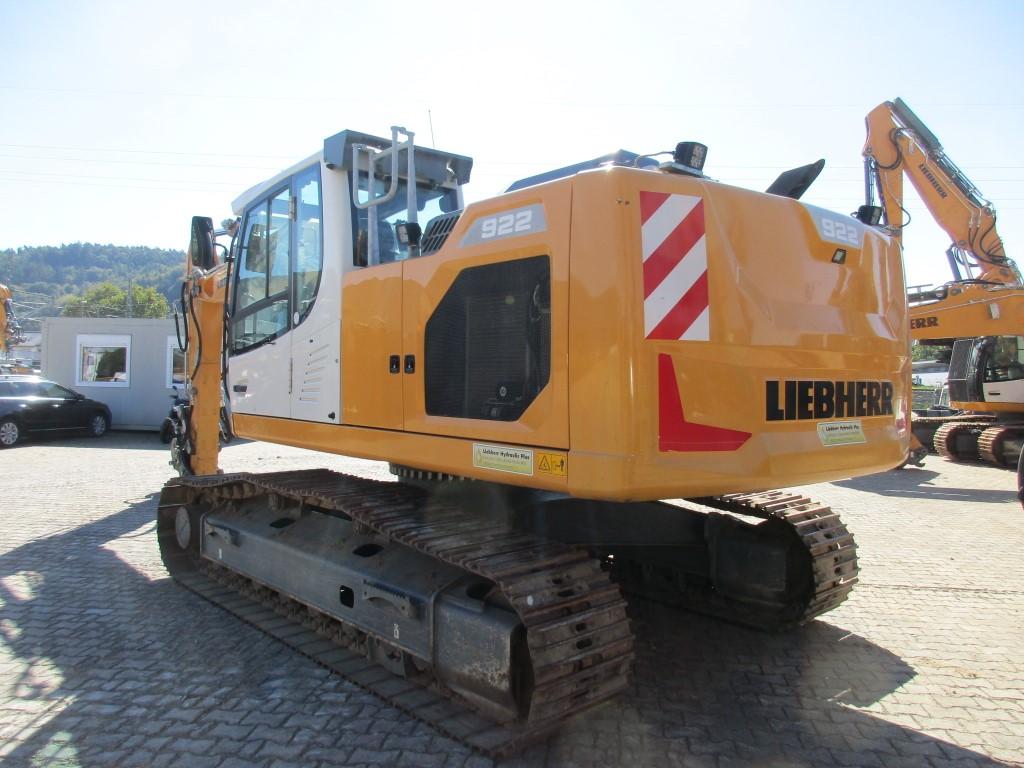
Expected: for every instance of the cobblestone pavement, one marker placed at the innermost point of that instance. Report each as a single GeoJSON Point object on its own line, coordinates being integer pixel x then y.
{"type": "Point", "coordinates": [105, 662]}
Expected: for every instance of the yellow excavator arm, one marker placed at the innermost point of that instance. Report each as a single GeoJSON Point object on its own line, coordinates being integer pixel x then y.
{"type": "Point", "coordinates": [899, 143]}
{"type": "Point", "coordinates": [10, 330]}
{"type": "Point", "coordinates": [5, 297]}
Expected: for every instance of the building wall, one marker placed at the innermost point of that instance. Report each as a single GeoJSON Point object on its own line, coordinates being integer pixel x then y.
{"type": "Point", "coordinates": [27, 351]}
{"type": "Point", "coordinates": [144, 399]}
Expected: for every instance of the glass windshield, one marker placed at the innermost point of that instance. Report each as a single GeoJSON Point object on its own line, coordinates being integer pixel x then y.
{"type": "Point", "coordinates": [430, 203]}
{"type": "Point", "coordinates": [1007, 360]}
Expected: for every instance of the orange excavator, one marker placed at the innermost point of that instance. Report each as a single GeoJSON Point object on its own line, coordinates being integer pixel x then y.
{"type": "Point", "coordinates": [978, 315]}
{"type": "Point", "coordinates": [588, 387]}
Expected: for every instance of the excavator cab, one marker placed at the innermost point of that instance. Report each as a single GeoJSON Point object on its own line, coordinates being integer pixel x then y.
{"type": "Point", "coordinates": [987, 370]}
{"type": "Point", "coordinates": [304, 236]}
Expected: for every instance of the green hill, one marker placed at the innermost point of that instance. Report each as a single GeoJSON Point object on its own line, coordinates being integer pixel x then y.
{"type": "Point", "coordinates": [43, 278]}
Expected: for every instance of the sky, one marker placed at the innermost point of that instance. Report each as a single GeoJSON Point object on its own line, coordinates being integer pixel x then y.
{"type": "Point", "coordinates": [121, 120]}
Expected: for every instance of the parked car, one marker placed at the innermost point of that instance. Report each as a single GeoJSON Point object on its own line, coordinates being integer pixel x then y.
{"type": "Point", "coordinates": [32, 405]}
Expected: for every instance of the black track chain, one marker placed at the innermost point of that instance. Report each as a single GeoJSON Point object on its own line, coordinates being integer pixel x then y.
{"type": "Point", "coordinates": [825, 537]}
{"type": "Point", "coordinates": [829, 544]}
{"type": "Point", "coordinates": [577, 631]}
{"type": "Point", "coordinates": [945, 439]}
{"type": "Point", "coordinates": [991, 443]}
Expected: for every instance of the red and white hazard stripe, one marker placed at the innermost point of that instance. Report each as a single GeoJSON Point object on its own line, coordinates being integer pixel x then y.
{"type": "Point", "coordinates": [675, 267]}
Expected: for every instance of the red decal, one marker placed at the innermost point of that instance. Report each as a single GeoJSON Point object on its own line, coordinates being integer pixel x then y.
{"type": "Point", "coordinates": [675, 433]}
{"type": "Point", "coordinates": [682, 315]}
{"type": "Point", "coordinates": [650, 202]}
{"type": "Point", "coordinates": [673, 249]}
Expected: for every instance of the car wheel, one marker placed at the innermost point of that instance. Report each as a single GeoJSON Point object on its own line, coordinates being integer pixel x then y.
{"type": "Point", "coordinates": [98, 425]}
{"type": "Point", "coordinates": [10, 433]}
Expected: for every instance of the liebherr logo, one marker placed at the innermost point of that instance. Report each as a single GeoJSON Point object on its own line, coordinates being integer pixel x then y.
{"type": "Point", "coordinates": [796, 400]}
{"type": "Point", "coordinates": [931, 178]}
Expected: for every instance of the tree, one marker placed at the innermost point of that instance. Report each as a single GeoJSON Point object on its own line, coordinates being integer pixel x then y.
{"type": "Point", "coordinates": [148, 302]}
{"type": "Point", "coordinates": [110, 300]}
{"type": "Point", "coordinates": [921, 351]}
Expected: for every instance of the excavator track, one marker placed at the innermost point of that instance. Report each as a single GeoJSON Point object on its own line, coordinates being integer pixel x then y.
{"type": "Point", "coordinates": [577, 632]}
{"type": "Point", "coordinates": [949, 439]}
{"type": "Point", "coordinates": [823, 549]}
{"type": "Point", "coordinates": [828, 570]}
{"type": "Point", "coordinates": [993, 444]}
{"type": "Point", "coordinates": [823, 536]}
{"type": "Point", "coordinates": [925, 427]}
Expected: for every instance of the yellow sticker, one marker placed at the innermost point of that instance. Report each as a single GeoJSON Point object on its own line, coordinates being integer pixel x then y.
{"type": "Point", "coordinates": [552, 463]}
{"type": "Point", "coordinates": [502, 458]}
{"type": "Point", "coordinates": [840, 433]}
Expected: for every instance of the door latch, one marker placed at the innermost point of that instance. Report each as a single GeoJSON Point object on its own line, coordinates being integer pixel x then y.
{"type": "Point", "coordinates": [395, 363]}
{"type": "Point", "coordinates": [410, 363]}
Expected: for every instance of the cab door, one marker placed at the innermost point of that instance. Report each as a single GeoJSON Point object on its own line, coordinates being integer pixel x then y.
{"type": "Point", "coordinates": [315, 340]}
{"type": "Point", "coordinates": [371, 347]}
{"type": "Point", "coordinates": [259, 347]}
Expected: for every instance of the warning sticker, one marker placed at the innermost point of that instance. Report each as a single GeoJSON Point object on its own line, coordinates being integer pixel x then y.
{"type": "Point", "coordinates": [503, 459]}
{"type": "Point", "coordinates": [552, 463]}
{"type": "Point", "coordinates": [840, 433]}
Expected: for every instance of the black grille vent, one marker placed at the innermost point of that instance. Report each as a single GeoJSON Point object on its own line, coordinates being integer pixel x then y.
{"type": "Point", "coordinates": [488, 343]}
{"type": "Point", "coordinates": [966, 366]}
{"type": "Point", "coordinates": [437, 231]}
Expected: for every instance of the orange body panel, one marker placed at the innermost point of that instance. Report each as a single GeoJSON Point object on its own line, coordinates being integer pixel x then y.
{"type": "Point", "coordinates": [371, 330]}
{"type": "Point", "coordinates": [205, 380]}
{"type": "Point", "coordinates": [780, 313]}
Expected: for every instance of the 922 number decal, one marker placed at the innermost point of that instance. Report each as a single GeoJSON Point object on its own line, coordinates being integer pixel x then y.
{"type": "Point", "coordinates": [527, 219]}
{"type": "Point", "coordinates": [840, 231]}
{"type": "Point", "coordinates": [506, 224]}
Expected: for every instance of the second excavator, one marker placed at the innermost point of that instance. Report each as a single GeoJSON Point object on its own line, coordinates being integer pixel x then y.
{"type": "Point", "coordinates": [978, 315]}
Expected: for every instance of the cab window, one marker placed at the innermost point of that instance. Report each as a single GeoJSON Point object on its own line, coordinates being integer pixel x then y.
{"type": "Point", "coordinates": [309, 250]}
{"type": "Point", "coordinates": [279, 262]}
{"type": "Point", "coordinates": [1007, 360]}
{"type": "Point", "coordinates": [430, 203]}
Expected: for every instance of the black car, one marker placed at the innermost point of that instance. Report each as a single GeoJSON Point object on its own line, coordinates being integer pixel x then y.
{"type": "Point", "coordinates": [30, 404]}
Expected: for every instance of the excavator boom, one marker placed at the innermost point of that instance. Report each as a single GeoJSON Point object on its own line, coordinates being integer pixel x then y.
{"type": "Point", "coordinates": [898, 143]}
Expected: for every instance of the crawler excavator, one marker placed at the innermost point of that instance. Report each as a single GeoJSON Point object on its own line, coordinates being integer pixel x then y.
{"type": "Point", "coordinates": [542, 370]}
{"type": "Point", "coordinates": [979, 314]}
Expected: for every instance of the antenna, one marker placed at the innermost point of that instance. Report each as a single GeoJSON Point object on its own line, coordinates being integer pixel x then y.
{"type": "Point", "coordinates": [430, 120]}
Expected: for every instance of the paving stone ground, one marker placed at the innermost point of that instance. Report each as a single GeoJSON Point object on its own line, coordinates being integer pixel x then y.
{"type": "Point", "coordinates": [105, 662]}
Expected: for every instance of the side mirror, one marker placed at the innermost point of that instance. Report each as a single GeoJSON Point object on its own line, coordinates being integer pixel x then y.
{"type": "Point", "coordinates": [200, 249]}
